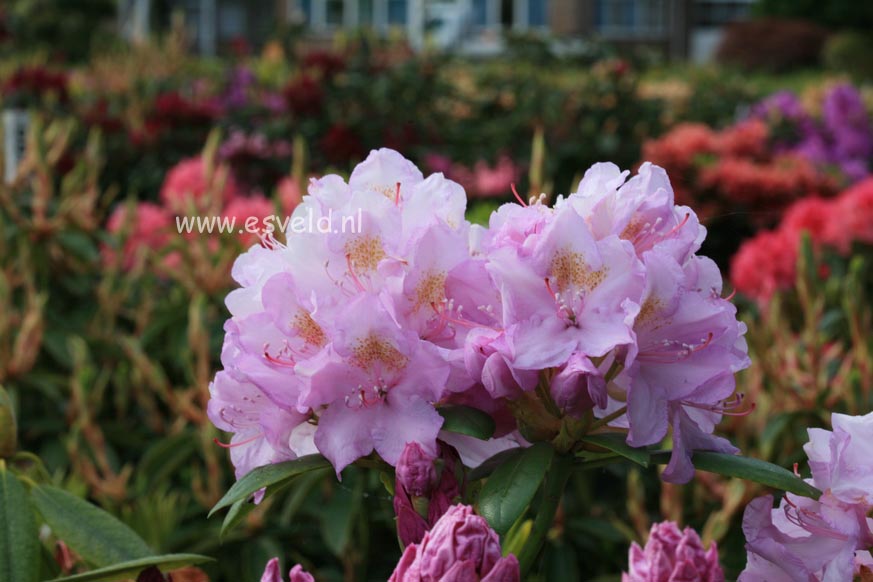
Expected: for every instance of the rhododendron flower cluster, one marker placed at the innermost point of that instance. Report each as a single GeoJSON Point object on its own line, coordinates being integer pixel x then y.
{"type": "Point", "coordinates": [767, 263]}
{"type": "Point", "coordinates": [818, 540]}
{"type": "Point", "coordinates": [673, 555]}
{"type": "Point", "coordinates": [190, 189]}
{"type": "Point", "coordinates": [461, 546]}
{"type": "Point", "coordinates": [348, 341]}
{"type": "Point", "coordinates": [721, 171]}
{"type": "Point", "coordinates": [841, 137]}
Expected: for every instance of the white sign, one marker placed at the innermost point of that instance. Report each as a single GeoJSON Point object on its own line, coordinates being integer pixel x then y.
{"type": "Point", "coordinates": [15, 122]}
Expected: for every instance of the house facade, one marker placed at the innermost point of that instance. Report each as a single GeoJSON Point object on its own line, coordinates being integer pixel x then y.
{"type": "Point", "coordinates": [677, 28]}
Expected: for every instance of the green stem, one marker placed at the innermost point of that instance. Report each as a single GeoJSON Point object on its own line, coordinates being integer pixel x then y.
{"type": "Point", "coordinates": [607, 419]}
{"type": "Point", "coordinates": [553, 490]}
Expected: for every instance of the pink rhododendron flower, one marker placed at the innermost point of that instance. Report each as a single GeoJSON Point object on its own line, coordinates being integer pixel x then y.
{"type": "Point", "coordinates": [150, 227]}
{"type": "Point", "coordinates": [827, 540]}
{"type": "Point", "coordinates": [297, 573]}
{"type": "Point", "coordinates": [250, 211]}
{"type": "Point", "coordinates": [188, 182]}
{"type": "Point", "coordinates": [461, 546]}
{"type": "Point", "coordinates": [673, 555]}
{"type": "Point", "coordinates": [361, 325]}
{"type": "Point", "coordinates": [290, 194]}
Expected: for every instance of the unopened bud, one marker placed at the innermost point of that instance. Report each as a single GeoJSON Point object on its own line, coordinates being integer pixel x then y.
{"type": "Point", "coordinates": [416, 471]}
{"type": "Point", "coordinates": [8, 427]}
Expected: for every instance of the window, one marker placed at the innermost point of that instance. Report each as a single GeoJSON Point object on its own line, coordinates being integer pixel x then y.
{"type": "Point", "coordinates": [397, 11]}
{"type": "Point", "coordinates": [537, 13]}
{"type": "Point", "coordinates": [631, 18]}
{"type": "Point", "coordinates": [480, 13]}
{"type": "Point", "coordinates": [306, 9]}
{"type": "Point", "coordinates": [334, 12]}
{"type": "Point", "coordinates": [365, 12]}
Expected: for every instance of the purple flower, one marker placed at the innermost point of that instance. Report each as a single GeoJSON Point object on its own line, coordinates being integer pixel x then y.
{"type": "Point", "coordinates": [273, 574]}
{"type": "Point", "coordinates": [672, 555]}
{"type": "Point", "coordinates": [825, 540]}
{"type": "Point", "coordinates": [841, 459]}
{"type": "Point", "coordinates": [461, 546]}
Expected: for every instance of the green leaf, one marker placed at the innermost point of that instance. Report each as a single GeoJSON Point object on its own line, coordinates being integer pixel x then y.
{"type": "Point", "coordinates": [130, 569]}
{"type": "Point", "coordinates": [269, 475]}
{"type": "Point", "coordinates": [467, 420]}
{"type": "Point", "coordinates": [754, 470]}
{"type": "Point", "coordinates": [19, 544]}
{"type": "Point", "coordinates": [338, 517]}
{"type": "Point", "coordinates": [615, 442]}
{"type": "Point", "coordinates": [92, 533]}
{"type": "Point", "coordinates": [492, 463]}
{"type": "Point", "coordinates": [510, 489]}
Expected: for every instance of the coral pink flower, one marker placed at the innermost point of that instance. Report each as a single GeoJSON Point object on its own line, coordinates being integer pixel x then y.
{"type": "Point", "coordinates": [461, 546]}
{"type": "Point", "coordinates": [150, 228]}
{"type": "Point", "coordinates": [252, 215]}
{"type": "Point", "coordinates": [765, 264]}
{"type": "Point", "coordinates": [290, 194]}
{"type": "Point", "coordinates": [673, 555]}
{"type": "Point", "coordinates": [187, 182]}
{"type": "Point", "coordinates": [852, 217]}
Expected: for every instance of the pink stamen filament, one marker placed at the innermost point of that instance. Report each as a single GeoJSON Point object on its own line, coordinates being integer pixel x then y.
{"type": "Point", "coordinates": [239, 444]}
{"type": "Point", "coordinates": [668, 357]}
{"type": "Point", "coordinates": [397, 195]}
{"type": "Point", "coordinates": [731, 296]}
{"type": "Point", "coordinates": [676, 228]}
{"type": "Point", "coordinates": [284, 353]}
{"type": "Point", "coordinates": [517, 197]}
{"type": "Point", "coordinates": [725, 407]}
{"type": "Point", "coordinates": [805, 519]}
{"type": "Point", "coordinates": [563, 309]}
{"type": "Point", "coordinates": [353, 275]}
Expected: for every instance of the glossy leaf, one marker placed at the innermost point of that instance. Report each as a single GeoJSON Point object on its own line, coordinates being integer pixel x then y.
{"type": "Point", "coordinates": [492, 463]}
{"type": "Point", "coordinates": [467, 420]}
{"type": "Point", "coordinates": [615, 443]}
{"type": "Point", "coordinates": [510, 489]}
{"type": "Point", "coordinates": [267, 475]}
{"type": "Point", "coordinates": [754, 470]}
{"type": "Point", "coordinates": [97, 536]}
{"type": "Point", "coordinates": [19, 544]}
{"type": "Point", "coordinates": [129, 570]}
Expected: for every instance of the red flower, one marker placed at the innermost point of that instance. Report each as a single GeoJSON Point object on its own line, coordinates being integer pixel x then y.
{"type": "Point", "coordinates": [304, 96]}
{"type": "Point", "coordinates": [341, 145]}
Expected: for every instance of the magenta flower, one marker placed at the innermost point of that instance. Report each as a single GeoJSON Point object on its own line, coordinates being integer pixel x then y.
{"type": "Point", "coordinates": [297, 573]}
{"type": "Point", "coordinates": [672, 555]}
{"type": "Point", "coordinates": [461, 546]}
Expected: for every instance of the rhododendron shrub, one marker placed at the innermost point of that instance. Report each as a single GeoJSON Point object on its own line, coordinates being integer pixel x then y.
{"type": "Point", "coordinates": [768, 263]}
{"type": "Point", "coordinates": [394, 334]}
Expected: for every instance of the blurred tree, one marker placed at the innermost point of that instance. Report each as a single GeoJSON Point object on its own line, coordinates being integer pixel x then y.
{"type": "Point", "coordinates": [833, 14]}
{"type": "Point", "coordinates": [58, 28]}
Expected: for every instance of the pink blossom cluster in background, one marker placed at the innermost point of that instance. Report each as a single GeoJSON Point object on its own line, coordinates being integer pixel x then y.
{"type": "Point", "coordinates": [482, 180]}
{"type": "Point", "coordinates": [190, 188]}
{"type": "Point", "coordinates": [767, 263]}
{"type": "Point", "coordinates": [821, 540]}
{"type": "Point", "coordinates": [346, 343]}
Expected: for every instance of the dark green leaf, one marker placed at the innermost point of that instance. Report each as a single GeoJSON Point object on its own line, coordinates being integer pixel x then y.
{"type": "Point", "coordinates": [467, 420]}
{"type": "Point", "coordinates": [754, 470]}
{"type": "Point", "coordinates": [130, 569]}
{"type": "Point", "coordinates": [19, 544]}
{"type": "Point", "coordinates": [615, 442]}
{"type": "Point", "coordinates": [92, 533]}
{"type": "Point", "coordinates": [491, 464]}
{"type": "Point", "coordinates": [269, 475]}
{"type": "Point", "coordinates": [340, 513]}
{"type": "Point", "coordinates": [510, 489]}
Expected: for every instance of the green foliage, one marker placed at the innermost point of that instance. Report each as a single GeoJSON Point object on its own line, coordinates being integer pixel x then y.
{"type": "Point", "coordinates": [849, 52]}
{"type": "Point", "coordinates": [834, 13]}
{"type": "Point", "coordinates": [97, 536]}
{"type": "Point", "coordinates": [55, 27]}
{"type": "Point", "coordinates": [19, 545]}
{"type": "Point", "coordinates": [510, 489]}
{"type": "Point", "coordinates": [467, 420]}
{"type": "Point", "coordinates": [129, 569]}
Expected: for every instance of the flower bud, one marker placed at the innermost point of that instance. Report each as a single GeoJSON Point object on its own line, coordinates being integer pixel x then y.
{"type": "Point", "coordinates": [8, 426]}
{"type": "Point", "coordinates": [273, 574]}
{"type": "Point", "coordinates": [671, 554]}
{"type": "Point", "coordinates": [415, 471]}
{"type": "Point", "coordinates": [461, 546]}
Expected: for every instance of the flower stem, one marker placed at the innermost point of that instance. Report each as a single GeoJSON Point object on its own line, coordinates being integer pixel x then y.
{"type": "Point", "coordinates": [607, 419]}
{"type": "Point", "coordinates": [552, 492]}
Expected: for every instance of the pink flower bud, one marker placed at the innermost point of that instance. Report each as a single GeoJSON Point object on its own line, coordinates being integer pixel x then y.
{"type": "Point", "coordinates": [273, 574]}
{"type": "Point", "coordinates": [415, 471]}
{"type": "Point", "coordinates": [673, 555]}
{"type": "Point", "coordinates": [460, 547]}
